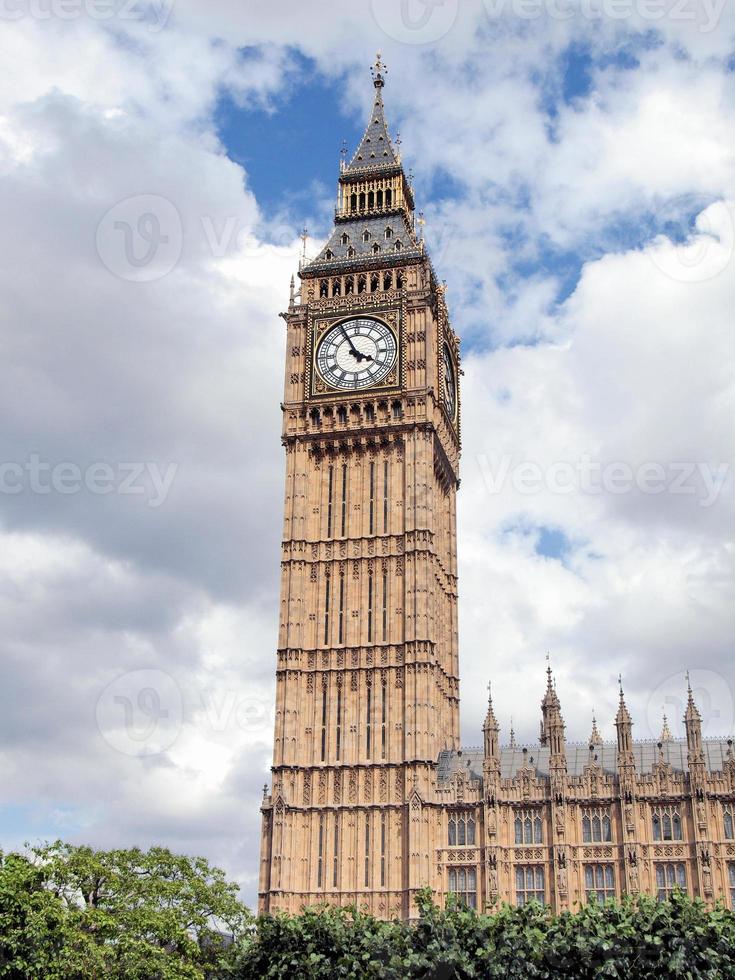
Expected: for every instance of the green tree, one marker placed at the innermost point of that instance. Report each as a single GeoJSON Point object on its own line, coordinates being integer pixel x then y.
{"type": "Point", "coordinates": [74, 912]}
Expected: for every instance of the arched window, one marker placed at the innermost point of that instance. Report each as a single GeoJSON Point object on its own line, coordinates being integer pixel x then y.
{"type": "Point", "coordinates": [345, 239]}
{"type": "Point", "coordinates": [667, 826]}
{"type": "Point", "coordinates": [315, 416]}
{"type": "Point", "coordinates": [462, 833]}
{"type": "Point", "coordinates": [374, 282]}
{"type": "Point", "coordinates": [388, 233]}
{"type": "Point", "coordinates": [366, 236]}
{"type": "Point", "coordinates": [376, 248]}
{"type": "Point", "coordinates": [519, 830]}
{"type": "Point", "coordinates": [398, 246]}
{"type": "Point", "coordinates": [362, 201]}
{"type": "Point", "coordinates": [452, 832]}
{"type": "Point", "coordinates": [388, 280]}
{"type": "Point", "coordinates": [596, 828]}
{"type": "Point", "coordinates": [656, 827]}
{"type": "Point", "coordinates": [397, 410]}
{"type": "Point", "coordinates": [586, 830]}
{"type": "Point", "coordinates": [336, 287]}
{"type": "Point", "coordinates": [351, 252]}
{"type": "Point", "coordinates": [388, 198]}
{"type": "Point", "coordinates": [528, 827]}
{"type": "Point", "coordinates": [371, 201]}
{"type": "Point", "coordinates": [329, 254]}
{"type": "Point", "coordinates": [380, 195]}
{"type": "Point", "coordinates": [353, 202]}
{"type": "Point", "coordinates": [362, 284]}
{"type": "Point", "coordinates": [729, 829]}
{"type": "Point", "coordinates": [537, 830]}
{"type": "Point", "coordinates": [342, 415]}
{"type": "Point", "coordinates": [399, 281]}
{"type": "Point", "coordinates": [324, 288]}
{"type": "Point", "coordinates": [606, 828]}
{"type": "Point", "coordinates": [470, 831]}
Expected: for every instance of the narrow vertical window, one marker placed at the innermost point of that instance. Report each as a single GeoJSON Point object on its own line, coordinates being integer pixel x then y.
{"type": "Point", "coordinates": [327, 598]}
{"type": "Point", "coordinates": [335, 867]}
{"type": "Point", "coordinates": [324, 722]}
{"type": "Point", "coordinates": [344, 499]}
{"type": "Point", "coordinates": [330, 501]}
{"type": "Point", "coordinates": [341, 622]}
{"type": "Point", "coordinates": [369, 719]}
{"type": "Point", "coordinates": [339, 722]}
{"type": "Point", "coordinates": [320, 859]}
{"type": "Point", "coordinates": [386, 489]}
{"type": "Point", "coordinates": [370, 609]}
{"type": "Point", "coordinates": [382, 850]}
{"type": "Point", "coordinates": [385, 606]}
{"type": "Point", "coordinates": [367, 850]}
{"type": "Point", "coordinates": [372, 499]}
{"type": "Point", "coordinates": [383, 718]}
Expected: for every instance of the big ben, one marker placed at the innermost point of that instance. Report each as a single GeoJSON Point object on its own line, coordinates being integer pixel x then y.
{"type": "Point", "coordinates": [367, 666]}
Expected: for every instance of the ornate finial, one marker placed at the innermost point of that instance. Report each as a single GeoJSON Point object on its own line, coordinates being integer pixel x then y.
{"type": "Point", "coordinates": [292, 296]}
{"type": "Point", "coordinates": [265, 790]}
{"type": "Point", "coordinates": [666, 735]}
{"type": "Point", "coordinates": [379, 70]}
{"type": "Point", "coordinates": [343, 155]}
{"type": "Point", "coordinates": [304, 238]}
{"type": "Point", "coordinates": [620, 686]}
{"type": "Point", "coordinates": [489, 694]}
{"type": "Point", "coordinates": [422, 223]}
{"type": "Point", "coordinates": [512, 734]}
{"type": "Point", "coordinates": [595, 738]}
{"type": "Point", "coordinates": [398, 147]}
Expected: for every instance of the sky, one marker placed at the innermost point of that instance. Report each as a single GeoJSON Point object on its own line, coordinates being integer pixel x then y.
{"type": "Point", "coordinates": [158, 161]}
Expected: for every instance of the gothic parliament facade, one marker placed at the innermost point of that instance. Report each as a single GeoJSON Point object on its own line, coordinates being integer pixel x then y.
{"type": "Point", "coordinates": [372, 796]}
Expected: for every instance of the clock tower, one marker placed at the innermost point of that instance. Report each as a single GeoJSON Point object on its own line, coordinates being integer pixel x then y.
{"type": "Point", "coordinates": [367, 669]}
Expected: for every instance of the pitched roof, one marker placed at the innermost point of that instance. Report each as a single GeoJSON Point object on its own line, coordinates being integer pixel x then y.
{"type": "Point", "coordinates": [376, 148]}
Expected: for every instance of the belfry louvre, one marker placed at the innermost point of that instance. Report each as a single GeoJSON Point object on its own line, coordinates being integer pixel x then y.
{"type": "Point", "coordinates": [372, 797]}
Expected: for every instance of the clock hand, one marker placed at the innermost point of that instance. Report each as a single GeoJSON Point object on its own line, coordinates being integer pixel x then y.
{"type": "Point", "coordinates": [353, 350]}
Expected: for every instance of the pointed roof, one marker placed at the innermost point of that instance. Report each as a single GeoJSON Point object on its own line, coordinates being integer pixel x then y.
{"type": "Point", "coordinates": [490, 720]}
{"type": "Point", "coordinates": [623, 715]}
{"type": "Point", "coordinates": [666, 735]}
{"type": "Point", "coordinates": [692, 713]}
{"type": "Point", "coordinates": [595, 737]}
{"type": "Point", "coordinates": [376, 148]}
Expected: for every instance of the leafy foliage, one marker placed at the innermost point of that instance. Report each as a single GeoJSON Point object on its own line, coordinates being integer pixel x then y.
{"type": "Point", "coordinates": [636, 939]}
{"type": "Point", "coordinates": [73, 913]}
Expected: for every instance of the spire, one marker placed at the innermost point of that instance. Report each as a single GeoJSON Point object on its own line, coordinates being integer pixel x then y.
{"type": "Point", "coordinates": [595, 738]}
{"type": "Point", "coordinates": [512, 734]}
{"type": "Point", "coordinates": [491, 730]}
{"type": "Point", "coordinates": [376, 148]}
{"type": "Point", "coordinates": [666, 735]}
{"type": "Point", "coordinates": [693, 726]}
{"type": "Point", "coordinates": [548, 704]}
{"type": "Point", "coordinates": [624, 725]}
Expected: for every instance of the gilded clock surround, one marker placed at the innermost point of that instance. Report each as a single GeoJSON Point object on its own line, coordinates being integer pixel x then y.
{"type": "Point", "coordinates": [320, 325]}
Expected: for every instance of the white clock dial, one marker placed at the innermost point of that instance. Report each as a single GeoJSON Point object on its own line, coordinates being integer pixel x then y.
{"type": "Point", "coordinates": [450, 383]}
{"type": "Point", "coordinates": [357, 354]}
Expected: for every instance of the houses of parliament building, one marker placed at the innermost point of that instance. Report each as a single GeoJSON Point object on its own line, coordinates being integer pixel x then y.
{"type": "Point", "coordinates": [372, 796]}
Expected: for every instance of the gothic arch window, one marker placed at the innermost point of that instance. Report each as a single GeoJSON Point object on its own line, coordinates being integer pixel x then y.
{"type": "Point", "coordinates": [374, 282]}
{"type": "Point", "coordinates": [596, 825]}
{"type": "Point", "coordinates": [463, 883]}
{"type": "Point", "coordinates": [670, 877]}
{"type": "Point", "coordinates": [345, 239]}
{"type": "Point", "coordinates": [329, 254]}
{"type": "Point", "coordinates": [362, 201]}
{"type": "Point", "coordinates": [323, 288]}
{"type": "Point", "coordinates": [336, 287]}
{"type": "Point", "coordinates": [388, 233]}
{"type": "Point", "coordinates": [397, 410]}
{"type": "Point", "coordinates": [398, 246]}
{"type": "Point", "coordinates": [528, 828]}
{"type": "Point", "coordinates": [351, 252]}
{"type": "Point", "coordinates": [666, 823]}
{"type": "Point", "coordinates": [371, 200]}
{"type": "Point", "coordinates": [342, 415]}
{"type": "Point", "coordinates": [315, 416]}
{"type": "Point", "coordinates": [399, 281]}
{"type": "Point", "coordinates": [388, 281]}
{"type": "Point", "coordinates": [362, 283]}
{"type": "Point", "coordinates": [366, 236]}
{"type": "Point", "coordinates": [380, 196]}
{"type": "Point", "coordinates": [353, 202]}
{"type": "Point", "coordinates": [461, 830]}
{"type": "Point", "coordinates": [349, 283]}
{"type": "Point", "coordinates": [530, 884]}
{"type": "Point", "coordinates": [599, 880]}
{"type": "Point", "coordinates": [376, 248]}
{"type": "Point", "coordinates": [388, 198]}
{"type": "Point", "coordinates": [729, 825]}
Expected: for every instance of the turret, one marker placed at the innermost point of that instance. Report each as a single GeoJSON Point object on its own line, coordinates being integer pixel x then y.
{"type": "Point", "coordinates": [491, 733]}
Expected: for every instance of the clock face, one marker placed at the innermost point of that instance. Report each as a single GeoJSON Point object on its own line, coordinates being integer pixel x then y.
{"type": "Point", "coordinates": [357, 354]}
{"type": "Point", "coordinates": [450, 383]}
